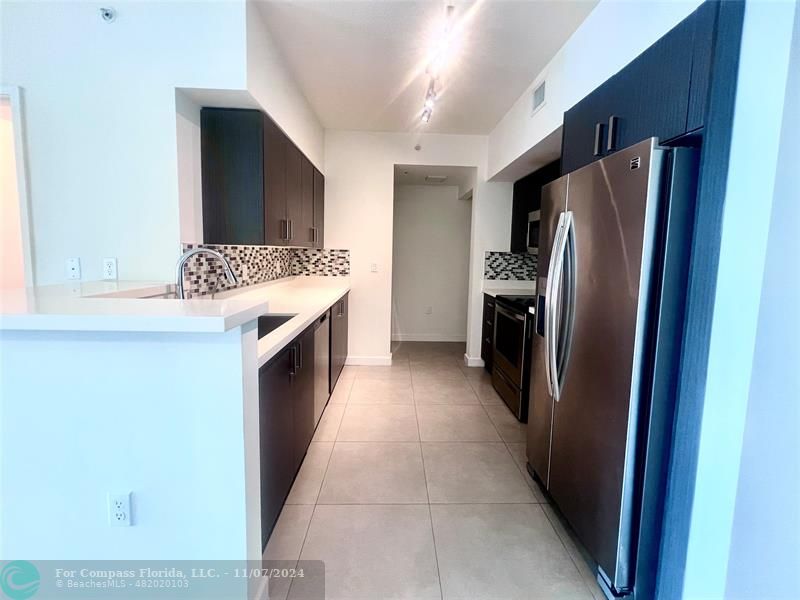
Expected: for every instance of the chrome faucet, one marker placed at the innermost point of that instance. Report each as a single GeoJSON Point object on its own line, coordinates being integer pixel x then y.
{"type": "Point", "coordinates": [229, 274]}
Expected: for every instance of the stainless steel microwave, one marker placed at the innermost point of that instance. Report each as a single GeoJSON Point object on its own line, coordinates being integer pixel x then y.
{"type": "Point", "coordinates": [534, 219]}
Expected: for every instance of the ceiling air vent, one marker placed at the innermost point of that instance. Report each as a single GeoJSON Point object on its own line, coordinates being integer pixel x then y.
{"type": "Point", "coordinates": [636, 163]}
{"type": "Point", "coordinates": [435, 178]}
{"type": "Point", "coordinates": [538, 97]}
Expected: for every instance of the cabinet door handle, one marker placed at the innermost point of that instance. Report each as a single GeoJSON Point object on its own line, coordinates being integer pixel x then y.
{"type": "Point", "coordinates": [598, 139]}
{"type": "Point", "coordinates": [293, 356]}
{"type": "Point", "coordinates": [612, 133]}
{"type": "Point", "coordinates": [291, 229]}
{"type": "Point", "coordinates": [300, 355]}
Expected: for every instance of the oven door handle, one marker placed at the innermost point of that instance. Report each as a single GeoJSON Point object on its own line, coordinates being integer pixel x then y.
{"type": "Point", "coordinates": [549, 308]}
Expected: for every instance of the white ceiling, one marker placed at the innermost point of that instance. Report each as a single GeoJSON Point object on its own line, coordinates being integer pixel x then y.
{"type": "Point", "coordinates": [361, 64]}
{"type": "Point", "coordinates": [416, 174]}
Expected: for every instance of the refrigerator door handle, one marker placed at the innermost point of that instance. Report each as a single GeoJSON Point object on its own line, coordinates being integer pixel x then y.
{"type": "Point", "coordinates": [570, 288]}
{"type": "Point", "coordinates": [550, 307]}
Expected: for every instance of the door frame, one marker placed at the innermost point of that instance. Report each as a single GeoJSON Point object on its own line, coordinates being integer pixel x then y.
{"type": "Point", "coordinates": [15, 99]}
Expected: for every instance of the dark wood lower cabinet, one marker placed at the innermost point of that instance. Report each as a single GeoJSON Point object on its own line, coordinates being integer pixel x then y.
{"type": "Point", "coordinates": [276, 419]}
{"type": "Point", "coordinates": [339, 320]}
{"type": "Point", "coordinates": [487, 332]}
{"type": "Point", "coordinates": [303, 395]}
{"type": "Point", "coordinates": [286, 423]}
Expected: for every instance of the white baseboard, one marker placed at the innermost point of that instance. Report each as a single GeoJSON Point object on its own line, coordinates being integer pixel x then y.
{"type": "Point", "coordinates": [473, 361]}
{"type": "Point", "coordinates": [427, 337]}
{"type": "Point", "coordinates": [370, 361]}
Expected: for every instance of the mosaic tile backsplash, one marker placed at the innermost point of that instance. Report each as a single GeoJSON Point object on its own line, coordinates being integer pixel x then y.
{"type": "Point", "coordinates": [510, 266]}
{"type": "Point", "coordinates": [204, 274]}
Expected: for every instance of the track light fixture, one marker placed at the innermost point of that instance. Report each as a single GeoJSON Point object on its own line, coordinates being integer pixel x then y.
{"type": "Point", "coordinates": [438, 56]}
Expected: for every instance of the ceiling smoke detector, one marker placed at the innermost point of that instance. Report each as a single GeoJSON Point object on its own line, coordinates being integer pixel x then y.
{"type": "Point", "coordinates": [109, 15]}
{"type": "Point", "coordinates": [436, 178]}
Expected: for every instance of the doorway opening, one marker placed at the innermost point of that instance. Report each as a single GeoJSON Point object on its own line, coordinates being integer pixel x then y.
{"type": "Point", "coordinates": [431, 254]}
{"type": "Point", "coordinates": [16, 269]}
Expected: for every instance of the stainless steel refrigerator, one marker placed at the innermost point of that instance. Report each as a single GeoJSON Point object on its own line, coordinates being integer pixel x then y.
{"type": "Point", "coordinates": [613, 254]}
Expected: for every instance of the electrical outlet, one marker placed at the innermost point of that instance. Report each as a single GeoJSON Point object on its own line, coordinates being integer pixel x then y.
{"type": "Point", "coordinates": [429, 310]}
{"type": "Point", "coordinates": [374, 267]}
{"type": "Point", "coordinates": [119, 510]}
{"type": "Point", "coordinates": [73, 268]}
{"type": "Point", "coordinates": [109, 268]}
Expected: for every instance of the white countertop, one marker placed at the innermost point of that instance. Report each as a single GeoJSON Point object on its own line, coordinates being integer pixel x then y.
{"type": "Point", "coordinates": [124, 306]}
{"type": "Point", "coordinates": [504, 287]}
{"type": "Point", "coordinates": [306, 298]}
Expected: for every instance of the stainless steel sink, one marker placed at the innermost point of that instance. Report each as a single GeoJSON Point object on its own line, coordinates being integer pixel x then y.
{"type": "Point", "coordinates": [269, 323]}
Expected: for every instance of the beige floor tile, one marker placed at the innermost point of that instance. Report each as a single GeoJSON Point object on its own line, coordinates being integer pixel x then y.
{"type": "Point", "coordinates": [285, 543]}
{"type": "Point", "coordinates": [486, 393]}
{"type": "Point", "coordinates": [287, 537]}
{"type": "Point", "coordinates": [309, 479]}
{"type": "Point", "coordinates": [517, 450]}
{"type": "Point", "coordinates": [342, 391]}
{"type": "Point", "coordinates": [375, 473]}
{"type": "Point", "coordinates": [329, 422]}
{"type": "Point", "coordinates": [473, 472]}
{"type": "Point", "coordinates": [476, 374]}
{"type": "Point", "coordinates": [399, 370]}
{"type": "Point", "coordinates": [436, 371]}
{"type": "Point", "coordinates": [372, 552]}
{"type": "Point", "coordinates": [507, 425]}
{"type": "Point", "coordinates": [381, 391]}
{"type": "Point", "coordinates": [507, 551]}
{"type": "Point", "coordinates": [444, 392]}
{"type": "Point", "coordinates": [579, 555]}
{"type": "Point", "coordinates": [348, 372]}
{"type": "Point", "coordinates": [462, 423]}
{"type": "Point", "coordinates": [379, 423]}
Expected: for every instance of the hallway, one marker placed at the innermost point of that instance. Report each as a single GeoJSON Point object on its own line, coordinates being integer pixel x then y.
{"type": "Point", "coordinates": [415, 487]}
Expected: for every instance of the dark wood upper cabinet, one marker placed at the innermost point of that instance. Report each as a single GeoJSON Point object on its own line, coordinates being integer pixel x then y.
{"type": "Point", "coordinates": [705, 22]}
{"type": "Point", "coordinates": [319, 209]}
{"type": "Point", "coordinates": [527, 198]}
{"type": "Point", "coordinates": [232, 155]}
{"type": "Point", "coordinates": [651, 95]}
{"type": "Point", "coordinates": [305, 230]}
{"type": "Point", "coordinates": [258, 188]}
{"type": "Point", "coordinates": [275, 144]}
{"type": "Point", "coordinates": [662, 93]}
{"type": "Point", "coordinates": [294, 181]}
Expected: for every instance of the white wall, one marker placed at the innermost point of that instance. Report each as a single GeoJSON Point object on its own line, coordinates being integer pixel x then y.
{"type": "Point", "coordinates": [183, 440]}
{"type": "Point", "coordinates": [274, 88]}
{"type": "Point", "coordinates": [190, 184]}
{"type": "Point", "coordinates": [12, 261]}
{"type": "Point", "coordinates": [101, 110]}
{"type": "Point", "coordinates": [612, 35]}
{"type": "Point", "coordinates": [100, 118]}
{"type": "Point", "coordinates": [430, 267]}
{"type": "Point", "coordinates": [764, 560]}
{"type": "Point", "coordinates": [746, 346]}
{"type": "Point", "coordinates": [359, 190]}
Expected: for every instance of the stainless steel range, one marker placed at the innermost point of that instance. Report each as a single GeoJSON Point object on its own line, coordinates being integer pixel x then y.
{"type": "Point", "coordinates": [513, 335]}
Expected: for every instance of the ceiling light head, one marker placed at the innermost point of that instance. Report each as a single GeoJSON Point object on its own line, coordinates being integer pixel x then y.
{"type": "Point", "coordinates": [430, 96]}
{"type": "Point", "coordinates": [426, 115]}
